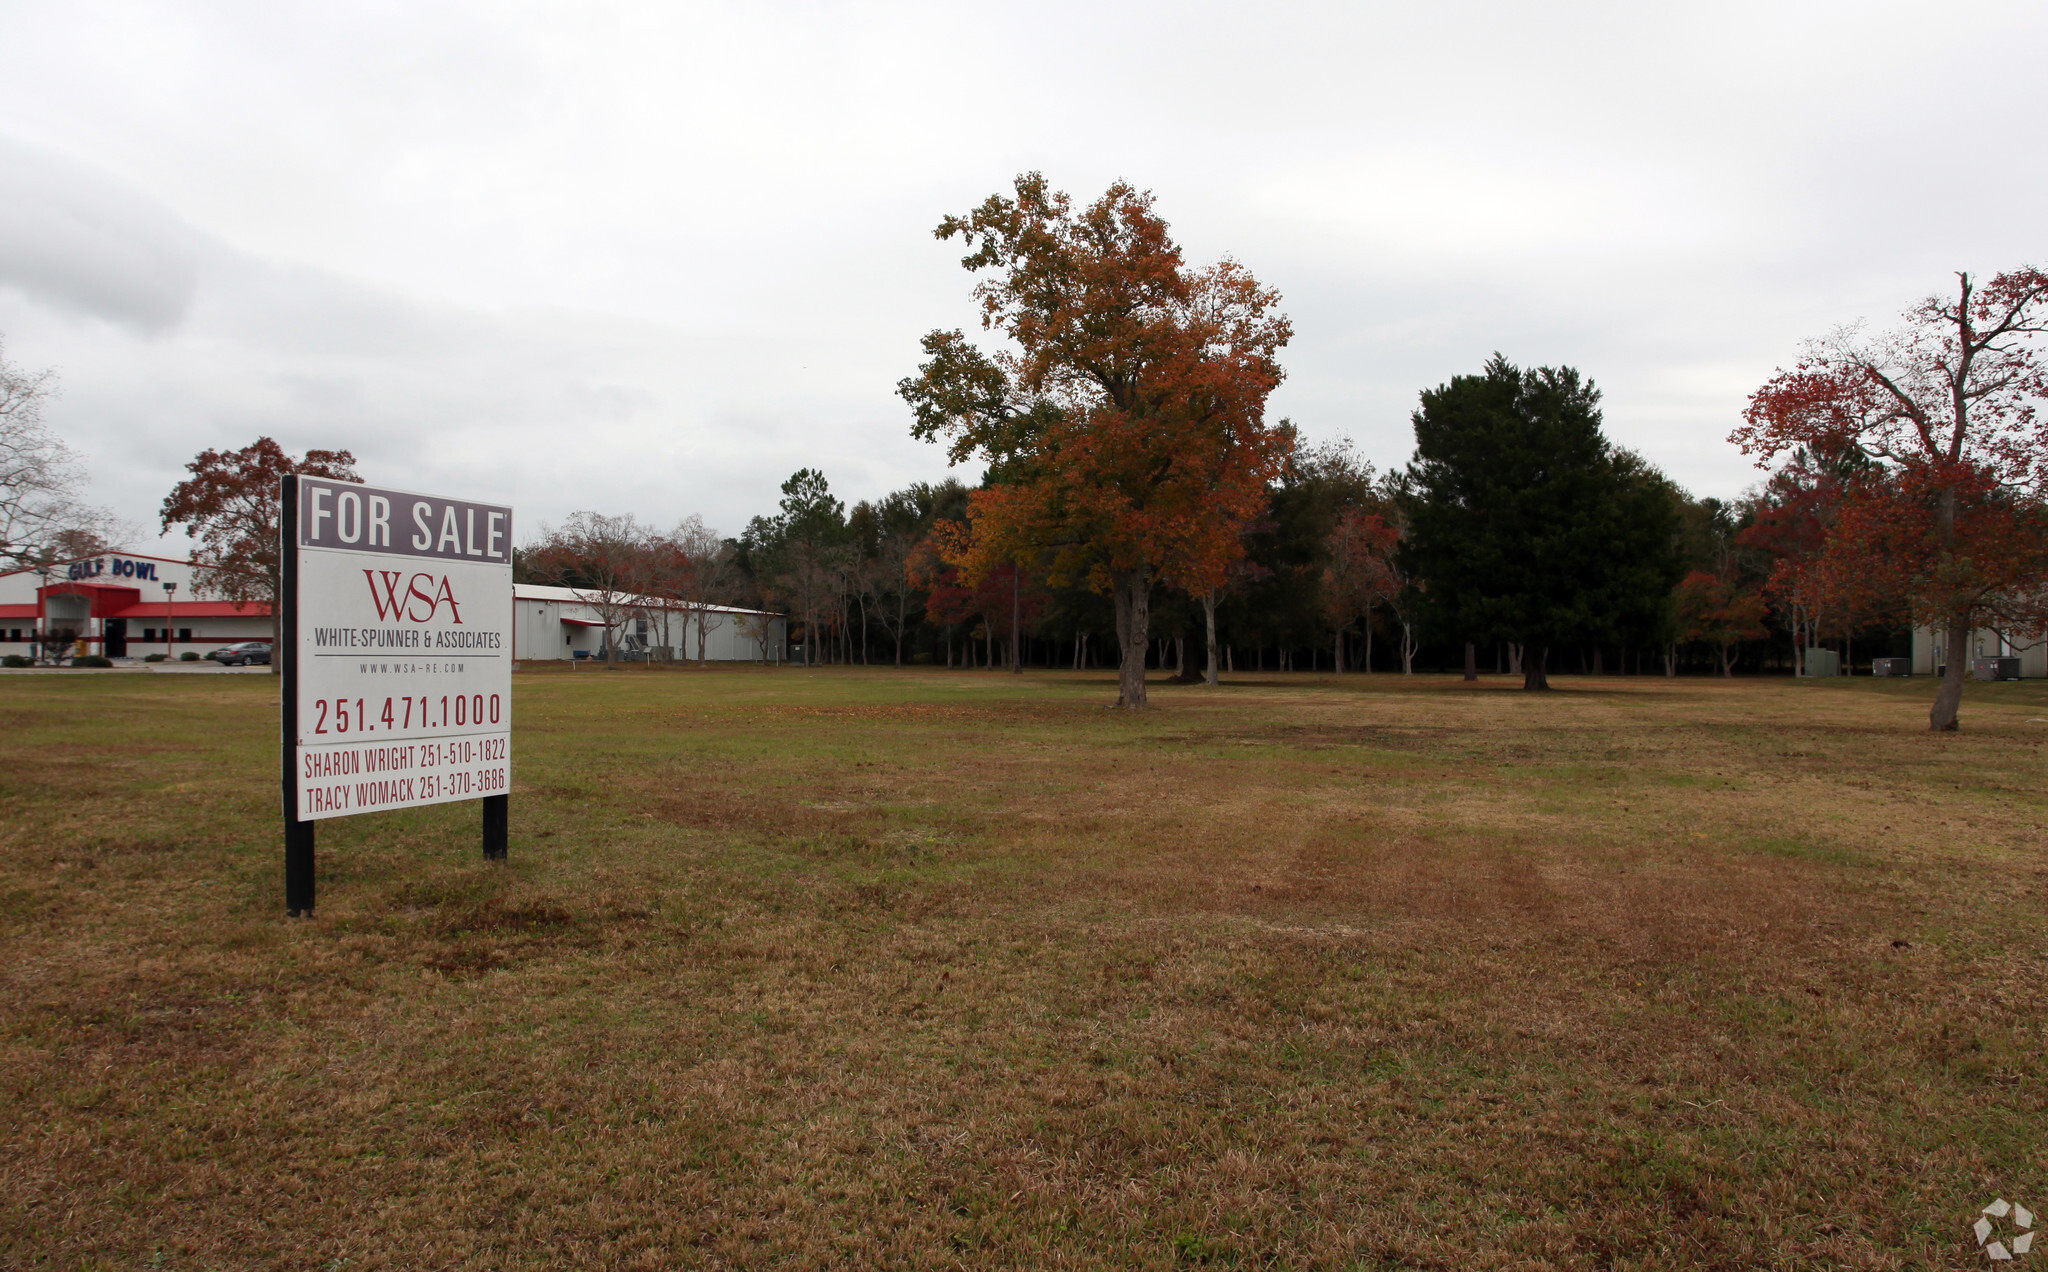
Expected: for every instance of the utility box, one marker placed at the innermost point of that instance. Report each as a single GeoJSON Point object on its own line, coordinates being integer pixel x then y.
{"type": "Point", "coordinates": [1891, 666]}
{"type": "Point", "coordinates": [1991, 667]}
{"type": "Point", "coordinates": [1821, 662]}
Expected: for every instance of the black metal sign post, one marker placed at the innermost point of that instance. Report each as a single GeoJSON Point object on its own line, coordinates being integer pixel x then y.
{"type": "Point", "coordinates": [394, 657]}
{"type": "Point", "coordinates": [497, 826]}
{"type": "Point", "coordinates": [298, 835]}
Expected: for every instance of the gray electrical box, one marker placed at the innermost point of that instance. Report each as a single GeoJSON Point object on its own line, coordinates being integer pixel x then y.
{"type": "Point", "coordinates": [1995, 668]}
{"type": "Point", "coordinates": [1891, 666]}
{"type": "Point", "coordinates": [1821, 662]}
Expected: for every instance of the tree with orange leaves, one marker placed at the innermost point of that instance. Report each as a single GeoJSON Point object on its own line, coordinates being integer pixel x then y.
{"type": "Point", "coordinates": [1125, 427]}
{"type": "Point", "coordinates": [1947, 406]}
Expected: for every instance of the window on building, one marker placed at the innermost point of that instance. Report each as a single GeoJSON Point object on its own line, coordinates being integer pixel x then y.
{"type": "Point", "coordinates": [149, 633]}
{"type": "Point", "coordinates": [184, 633]}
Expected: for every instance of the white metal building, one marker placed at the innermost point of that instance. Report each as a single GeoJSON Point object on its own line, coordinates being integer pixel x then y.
{"type": "Point", "coordinates": [561, 623]}
{"type": "Point", "coordinates": [1928, 653]}
{"type": "Point", "coordinates": [117, 604]}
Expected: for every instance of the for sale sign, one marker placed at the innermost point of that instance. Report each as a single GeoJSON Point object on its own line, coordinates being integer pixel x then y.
{"type": "Point", "coordinates": [397, 654]}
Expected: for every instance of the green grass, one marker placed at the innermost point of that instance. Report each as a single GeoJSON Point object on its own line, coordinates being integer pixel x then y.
{"type": "Point", "coordinates": [930, 969]}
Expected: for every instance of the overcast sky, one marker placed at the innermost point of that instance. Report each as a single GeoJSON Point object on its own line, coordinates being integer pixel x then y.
{"type": "Point", "coordinates": [653, 258]}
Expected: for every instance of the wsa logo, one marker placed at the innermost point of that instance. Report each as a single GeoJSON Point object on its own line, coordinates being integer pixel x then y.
{"type": "Point", "coordinates": [419, 602]}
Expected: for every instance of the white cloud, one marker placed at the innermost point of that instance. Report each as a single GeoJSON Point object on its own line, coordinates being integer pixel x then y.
{"type": "Point", "coordinates": [78, 241]}
{"type": "Point", "coordinates": [653, 258]}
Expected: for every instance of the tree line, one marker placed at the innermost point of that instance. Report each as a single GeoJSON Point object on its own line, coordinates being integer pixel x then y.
{"type": "Point", "coordinates": [1137, 501]}
{"type": "Point", "coordinates": [1140, 510]}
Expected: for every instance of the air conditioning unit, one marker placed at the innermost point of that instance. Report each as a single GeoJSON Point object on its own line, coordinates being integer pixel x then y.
{"type": "Point", "coordinates": [1991, 667]}
{"type": "Point", "coordinates": [1891, 666]}
{"type": "Point", "coordinates": [1821, 662]}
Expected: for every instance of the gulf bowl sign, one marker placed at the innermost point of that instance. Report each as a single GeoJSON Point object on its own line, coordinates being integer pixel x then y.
{"type": "Point", "coordinates": [398, 635]}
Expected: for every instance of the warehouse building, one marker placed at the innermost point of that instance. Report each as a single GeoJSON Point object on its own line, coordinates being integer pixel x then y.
{"type": "Point", "coordinates": [2027, 660]}
{"type": "Point", "coordinates": [566, 623]}
{"type": "Point", "coordinates": [122, 605]}
{"type": "Point", "coordinates": [131, 605]}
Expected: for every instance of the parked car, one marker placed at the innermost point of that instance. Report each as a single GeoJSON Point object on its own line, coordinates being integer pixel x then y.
{"type": "Point", "coordinates": [249, 651]}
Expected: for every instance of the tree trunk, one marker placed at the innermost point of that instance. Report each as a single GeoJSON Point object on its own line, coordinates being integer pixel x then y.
{"type": "Point", "coordinates": [1132, 591]}
{"type": "Point", "coordinates": [1671, 662]}
{"type": "Point", "coordinates": [1515, 655]}
{"type": "Point", "coordinates": [1337, 653]}
{"type": "Point", "coordinates": [1016, 620]}
{"type": "Point", "coordinates": [1407, 648]}
{"type": "Point", "coordinates": [1948, 700]}
{"type": "Point", "coordinates": [1598, 653]}
{"type": "Point", "coordinates": [1209, 619]}
{"type": "Point", "coordinates": [1471, 661]}
{"type": "Point", "coordinates": [1536, 662]}
{"type": "Point", "coordinates": [1727, 662]}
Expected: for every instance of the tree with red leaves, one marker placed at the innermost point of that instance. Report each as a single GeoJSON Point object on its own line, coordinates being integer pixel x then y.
{"type": "Point", "coordinates": [1363, 574]}
{"type": "Point", "coordinates": [1003, 596]}
{"type": "Point", "coordinates": [230, 504]}
{"type": "Point", "coordinates": [1718, 611]}
{"type": "Point", "coordinates": [1125, 429]}
{"type": "Point", "coordinates": [1947, 407]}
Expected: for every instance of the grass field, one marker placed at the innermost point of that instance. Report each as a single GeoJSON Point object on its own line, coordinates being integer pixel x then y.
{"type": "Point", "coordinates": [934, 969]}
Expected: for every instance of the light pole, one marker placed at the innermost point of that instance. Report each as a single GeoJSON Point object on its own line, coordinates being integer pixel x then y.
{"type": "Point", "coordinates": [43, 611]}
{"type": "Point", "coordinates": [170, 633]}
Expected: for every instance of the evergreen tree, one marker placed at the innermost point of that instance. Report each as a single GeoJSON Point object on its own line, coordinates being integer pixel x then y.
{"type": "Point", "coordinates": [1526, 525]}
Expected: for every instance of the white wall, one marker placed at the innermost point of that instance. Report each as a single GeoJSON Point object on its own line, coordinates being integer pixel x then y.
{"type": "Point", "coordinates": [2033, 661]}
{"type": "Point", "coordinates": [541, 635]}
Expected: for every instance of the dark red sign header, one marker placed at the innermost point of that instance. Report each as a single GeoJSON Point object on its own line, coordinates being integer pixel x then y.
{"type": "Point", "coordinates": [337, 514]}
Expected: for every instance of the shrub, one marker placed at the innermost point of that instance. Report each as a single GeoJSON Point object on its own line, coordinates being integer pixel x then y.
{"type": "Point", "coordinates": [91, 660]}
{"type": "Point", "coordinates": [156, 658]}
{"type": "Point", "coordinates": [190, 655]}
{"type": "Point", "coordinates": [16, 660]}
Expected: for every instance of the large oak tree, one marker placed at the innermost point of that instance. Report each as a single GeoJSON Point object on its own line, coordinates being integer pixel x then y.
{"type": "Point", "coordinates": [1124, 425]}
{"type": "Point", "coordinates": [1948, 406]}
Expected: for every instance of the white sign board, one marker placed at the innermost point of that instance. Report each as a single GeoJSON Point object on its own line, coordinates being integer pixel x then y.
{"type": "Point", "coordinates": [399, 626]}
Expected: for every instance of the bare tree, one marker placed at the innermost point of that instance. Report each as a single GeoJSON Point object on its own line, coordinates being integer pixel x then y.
{"type": "Point", "coordinates": [887, 574]}
{"type": "Point", "coordinates": [668, 585]}
{"type": "Point", "coordinates": [42, 519]}
{"type": "Point", "coordinates": [606, 561]}
{"type": "Point", "coordinates": [708, 576]}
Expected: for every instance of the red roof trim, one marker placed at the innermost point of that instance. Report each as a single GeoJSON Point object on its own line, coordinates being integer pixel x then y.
{"type": "Point", "coordinates": [195, 609]}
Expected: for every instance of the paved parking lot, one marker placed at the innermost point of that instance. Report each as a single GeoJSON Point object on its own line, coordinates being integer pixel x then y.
{"type": "Point", "coordinates": [205, 668]}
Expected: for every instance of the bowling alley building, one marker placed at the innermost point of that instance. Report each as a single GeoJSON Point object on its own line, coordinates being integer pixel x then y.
{"type": "Point", "coordinates": [123, 605]}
